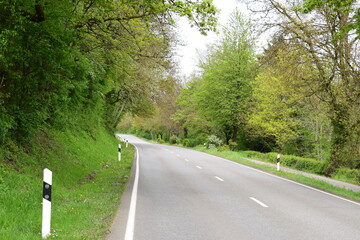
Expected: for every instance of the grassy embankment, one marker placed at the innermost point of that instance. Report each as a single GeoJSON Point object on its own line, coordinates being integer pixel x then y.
{"type": "Point", "coordinates": [87, 184]}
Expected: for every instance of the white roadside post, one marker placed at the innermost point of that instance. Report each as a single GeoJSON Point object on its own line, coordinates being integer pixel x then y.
{"type": "Point", "coordinates": [119, 152]}
{"type": "Point", "coordinates": [46, 210]}
{"type": "Point", "coordinates": [127, 142]}
{"type": "Point", "coordinates": [278, 162]}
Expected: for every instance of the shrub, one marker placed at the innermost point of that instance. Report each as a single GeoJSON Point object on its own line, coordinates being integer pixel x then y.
{"type": "Point", "coordinates": [299, 163]}
{"type": "Point", "coordinates": [160, 140]}
{"type": "Point", "coordinates": [256, 155]}
{"type": "Point", "coordinates": [174, 140]}
{"type": "Point", "coordinates": [232, 145]}
{"type": "Point", "coordinates": [185, 142]}
{"type": "Point", "coordinates": [304, 164]}
{"type": "Point", "coordinates": [213, 141]}
{"type": "Point", "coordinates": [194, 142]}
{"type": "Point", "coordinates": [224, 148]}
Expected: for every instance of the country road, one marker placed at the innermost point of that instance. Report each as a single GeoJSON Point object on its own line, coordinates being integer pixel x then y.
{"type": "Point", "coordinates": [181, 194]}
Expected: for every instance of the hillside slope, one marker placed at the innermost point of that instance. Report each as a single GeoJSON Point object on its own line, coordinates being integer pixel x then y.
{"type": "Point", "coordinates": [87, 183]}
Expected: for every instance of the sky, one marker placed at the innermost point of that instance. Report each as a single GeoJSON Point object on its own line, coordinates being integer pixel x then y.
{"type": "Point", "coordinates": [195, 42]}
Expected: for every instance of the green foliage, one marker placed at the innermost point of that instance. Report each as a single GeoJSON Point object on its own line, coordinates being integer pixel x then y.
{"type": "Point", "coordinates": [160, 140]}
{"type": "Point", "coordinates": [346, 174]}
{"type": "Point", "coordinates": [337, 76]}
{"type": "Point", "coordinates": [186, 142]}
{"type": "Point", "coordinates": [60, 59]}
{"type": "Point", "coordinates": [140, 133]}
{"type": "Point", "coordinates": [217, 101]}
{"type": "Point", "coordinates": [43, 76]}
{"type": "Point", "coordinates": [232, 145]}
{"type": "Point", "coordinates": [278, 93]}
{"type": "Point", "coordinates": [71, 68]}
{"type": "Point", "coordinates": [223, 148]}
{"type": "Point", "coordinates": [335, 7]}
{"type": "Point", "coordinates": [194, 140]}
{"type": "Point", "coordinates": [174, 140]}
{"type": "Point", "coordinates": [338, 5]}
{"type": "Point", "coordinates": [187, 114]}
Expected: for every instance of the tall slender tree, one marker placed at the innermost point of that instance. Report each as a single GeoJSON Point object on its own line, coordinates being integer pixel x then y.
{"type": "Point", "coordinates": [224, 89]}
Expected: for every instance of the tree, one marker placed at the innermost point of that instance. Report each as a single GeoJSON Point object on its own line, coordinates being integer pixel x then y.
{"type": "Point", "coordinates": [188, 114]}
{"type": "Point", "coordinates": [284, 106]}
{"type": "Point", "coordinates": [217, 101]}
{"type": "Point", "coordinates": [327, 38]}
{"type": "Point", "coordinates": [348, 6]}
{"type": "Point", "coordinates": [227, 74]}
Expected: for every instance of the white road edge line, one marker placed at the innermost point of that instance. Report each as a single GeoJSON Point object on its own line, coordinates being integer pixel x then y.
{"type": "Point", "coordinates": [130, 225]}
{"type": "Point", "coordinates": [288, 180]}
{"type": "Point", "coordinates": [220, 179]}
{"type": "Point", "coordinates": [258, 202]}
{"type": "Point", "coordinates": [199, 167]}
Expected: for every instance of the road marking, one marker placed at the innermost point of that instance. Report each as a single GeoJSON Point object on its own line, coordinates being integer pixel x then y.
{"type": "Point", "coordinates": [220, 179]}
{"type": "Point", "coordinates": [291, 181]}
{"type": "Point", "coordinates": [199, 167]}
{"type": "Point", "coordinates": [258, 202]}
{"type": "Point", "coordinates": [186, 160]}
{"type": "Point", "coordinates": [130, 225]}
{"type": "Point", "coordinates": [178, 155]}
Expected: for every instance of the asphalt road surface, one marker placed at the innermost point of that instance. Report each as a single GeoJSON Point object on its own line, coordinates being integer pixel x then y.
{"type": "Point", "coordinates": [181, 194]}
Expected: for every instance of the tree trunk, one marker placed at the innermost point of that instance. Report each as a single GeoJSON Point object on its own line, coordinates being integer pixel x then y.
{"type": "Point", "coordinates": [340, 137]}
{"type": "Point", "coordinates": [235, 133]}
{"type": "Point", "coordinates": [185, 132]}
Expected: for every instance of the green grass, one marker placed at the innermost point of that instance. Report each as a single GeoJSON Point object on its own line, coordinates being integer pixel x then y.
{"type": "Point", "coordinates": [239, 157]}
{"type": "Point", "coordinates": [87, 184]}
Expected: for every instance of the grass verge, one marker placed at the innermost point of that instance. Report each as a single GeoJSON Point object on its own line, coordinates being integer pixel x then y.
{"type": "Point", "coordinates": [239, 157]}
{"type": "Point", "coordinates": [87, 184]}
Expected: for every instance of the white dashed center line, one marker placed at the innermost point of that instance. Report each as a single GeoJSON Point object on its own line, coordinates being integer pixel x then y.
{"type": "Point", "coordinates": [220, 179]}
{"type": "Point", "coordinates": [199, 167]}
{"type": "Point", "coordinates": [258, 202]}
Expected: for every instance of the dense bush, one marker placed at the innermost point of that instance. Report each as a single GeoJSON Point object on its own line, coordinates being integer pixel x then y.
{"type": "Point", "coordinates": [303, 164]}
{"type": "Point", "coordinates": [223, 148]}
{"type": "Point", "coordinates": [140, 133]}
{"type": "Point", "coordinates": [160, 140]}
{"type": "Point", "coordinates": [307, 165]}
{"type": "Point", "coordinates": [190, 142]}
{"type": "Point", "coordinates": [185, 142]}
{"type": "Point", "coordinates": [232, 145]}
{"type": "Point", "coordinates": [174, 139]}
